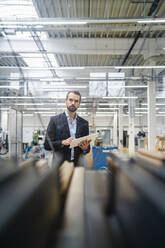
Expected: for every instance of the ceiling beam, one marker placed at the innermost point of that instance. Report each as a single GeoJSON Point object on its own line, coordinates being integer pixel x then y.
{"type": "Point", "coordinates": [84, 46]}
{"type": "Point", "coordinates": [107, 28]}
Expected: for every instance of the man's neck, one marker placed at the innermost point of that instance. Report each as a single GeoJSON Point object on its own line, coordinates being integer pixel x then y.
{"type": "Point", "coordinates": [71, 114]}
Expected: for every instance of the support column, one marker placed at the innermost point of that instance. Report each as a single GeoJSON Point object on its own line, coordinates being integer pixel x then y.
{"type": "Point", "coordinates": [151, 95]}
{"type": "Point", "coordinates": [120, 126]}
{"type": "Point", "coordinates": [115, 129]}
{"type": "Point", "coordinates": [131, 129]}
{"type": "Point", "coordinates": [15, 134]}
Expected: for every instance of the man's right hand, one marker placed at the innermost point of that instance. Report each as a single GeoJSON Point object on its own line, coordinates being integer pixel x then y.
{"type": "Point", "coordinates": [67, 141]}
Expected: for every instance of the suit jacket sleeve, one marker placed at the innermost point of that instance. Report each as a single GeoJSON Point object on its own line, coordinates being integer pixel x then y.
{"type": "Point", "coordinates": [50, 140]}
{"type": "Point", "coordinates": [85, 133]}
{"type": "Point", "coordinates": [88, 149]}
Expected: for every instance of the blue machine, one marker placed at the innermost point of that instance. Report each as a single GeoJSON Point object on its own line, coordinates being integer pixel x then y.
{"type": "Point", "coordinates": [100, 154]}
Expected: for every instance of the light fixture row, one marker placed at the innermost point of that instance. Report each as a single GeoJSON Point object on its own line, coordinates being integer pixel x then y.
{"type": "Point", "coordinates": [83, 97]}
{"type": "Point", "coordinates": [65, 87]}
{"type": "Point", "coordinates": [75, 21]}
{"type": "Point", "coordinates": [84, 67]}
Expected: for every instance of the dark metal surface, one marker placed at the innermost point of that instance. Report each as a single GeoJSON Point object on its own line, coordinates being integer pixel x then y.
{"type": "Point", "coordinates": [29, 208]}
{"type": "Point", "coordinates": [139, 205]}
{"type": "Point", "coordinates": [123, 207]}
{"type": "Point", "coordinates": [96, 222]}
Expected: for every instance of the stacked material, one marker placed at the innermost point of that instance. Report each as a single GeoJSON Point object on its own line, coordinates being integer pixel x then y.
{"type": "Point", "coordinates": [121, 207]}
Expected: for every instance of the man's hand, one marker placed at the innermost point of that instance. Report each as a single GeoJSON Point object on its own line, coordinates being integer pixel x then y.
{"type": "Point", "coordinates": [84, 144]}
{"type": "Point", "coordinates": [67, 141]}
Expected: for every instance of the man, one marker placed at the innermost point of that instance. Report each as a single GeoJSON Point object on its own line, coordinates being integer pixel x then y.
{"type": "Point", "coordinates": [63, 128]}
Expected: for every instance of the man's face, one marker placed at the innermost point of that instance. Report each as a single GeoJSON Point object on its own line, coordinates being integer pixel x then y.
{"type": "Point", "coordinates": [73, 102]}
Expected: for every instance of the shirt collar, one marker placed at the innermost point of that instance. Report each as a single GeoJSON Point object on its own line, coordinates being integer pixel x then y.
{"type": "Point", "coordinates": [68, 116]}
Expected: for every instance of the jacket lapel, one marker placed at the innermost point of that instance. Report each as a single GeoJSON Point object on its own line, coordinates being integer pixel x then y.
{"type": "Point", "coordinates": [78, 127]}
{"type": "Point", "coordinates": [66, 124]}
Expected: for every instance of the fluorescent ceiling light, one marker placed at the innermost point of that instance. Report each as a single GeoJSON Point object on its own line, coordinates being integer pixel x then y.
{"type": "Point", "coordinates": [45, 88]}
{"type": "Point", "coordinates": [51, 79]}
{"type": "Point", "coordinates": [156, 20]}
{"type": "Point", "coordinates": [44, 68]}
{"type": "Point", "coordinates": [127, 86]}
{"type": "Point", "coordinates": [157, 104]}
{"type": "Point", "coordinates": [139, 112]}
{"type": "Point", "coordinates": [10, 87]}
{"type": "Point", "coordinates": [141, 67]}
{"type": "Point", "coordinates": [27, 114]}
{"type": "Point", "coordinates": [64, 104]}
{"type": "Point", "coordinates": [137, 115]}
{"type": "Point", "coordinates": [41, 112]}
{"type": "Point", "coordinates": [39, 108]}
{"type": "Point", "coordinates": [107, 109]}
{"type": "Point", "coordinates": [12, 2]}
{"type": "Point", "coordinates": [58, 97]}
{"type": "Point", "coordinates": [101, 115]}
{"type": "Point", "coordinates": [142, 108]}
{"type": "Point", "coordinates": [118, 97]}
{"type": "Point", "coordinates": [42, 21]}
{"type": "Point", "coordinates": [20, 97]}
{"type": "Point", "coordinates": [83, 67]}
{"type": "Point", "coordinates": [105, 112]}
{"type": "Point", "coordinates": [47, 115]}
{"type": "Point", "coordinates": [102, 79]}
{"type": "Point", "coordinates": [113, 104]}
{"type": "Point", "coordinates": [21, 104]}
{"type": "Point", "coordinates": [78, 21]}
{"type": "Point", "coordinates": [30, 97]}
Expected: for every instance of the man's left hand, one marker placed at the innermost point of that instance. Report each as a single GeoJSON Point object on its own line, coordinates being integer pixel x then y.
{"type": "Point", "coordinates": [84, 144]}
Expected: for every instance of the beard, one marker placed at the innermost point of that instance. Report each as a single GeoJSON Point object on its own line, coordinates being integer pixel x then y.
{"type": "Point", "coordinates": [71, 108]}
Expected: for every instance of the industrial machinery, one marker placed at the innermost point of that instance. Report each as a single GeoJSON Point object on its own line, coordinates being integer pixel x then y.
{"type": "Point", "coordinates": [3, 142]}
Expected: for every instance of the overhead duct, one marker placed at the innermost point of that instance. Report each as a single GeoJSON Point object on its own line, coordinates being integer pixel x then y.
{"type": "Point", "coordinates": [152, 9]}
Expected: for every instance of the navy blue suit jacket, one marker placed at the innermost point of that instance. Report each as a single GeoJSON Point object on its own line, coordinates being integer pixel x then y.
{"type": "Point", "coordinates": [58, 130]}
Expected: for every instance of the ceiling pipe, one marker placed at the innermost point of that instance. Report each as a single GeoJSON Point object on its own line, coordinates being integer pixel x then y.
{"type": "Point", "coordinates": [43, 52]}
{"type": "Point", "coordinates": [125, 28]}
{"type": "Point", "coordinates": [156, 58]}
{"type": "Point", "coordinates": [152, 9]}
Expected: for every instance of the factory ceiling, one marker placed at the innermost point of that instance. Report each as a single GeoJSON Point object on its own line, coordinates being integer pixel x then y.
{"type": "Point", "coordinates": [60, 43]}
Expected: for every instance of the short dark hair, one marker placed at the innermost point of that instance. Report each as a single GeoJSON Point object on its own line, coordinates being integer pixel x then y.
{"type": "Point", "coordinates": [74, 92]}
